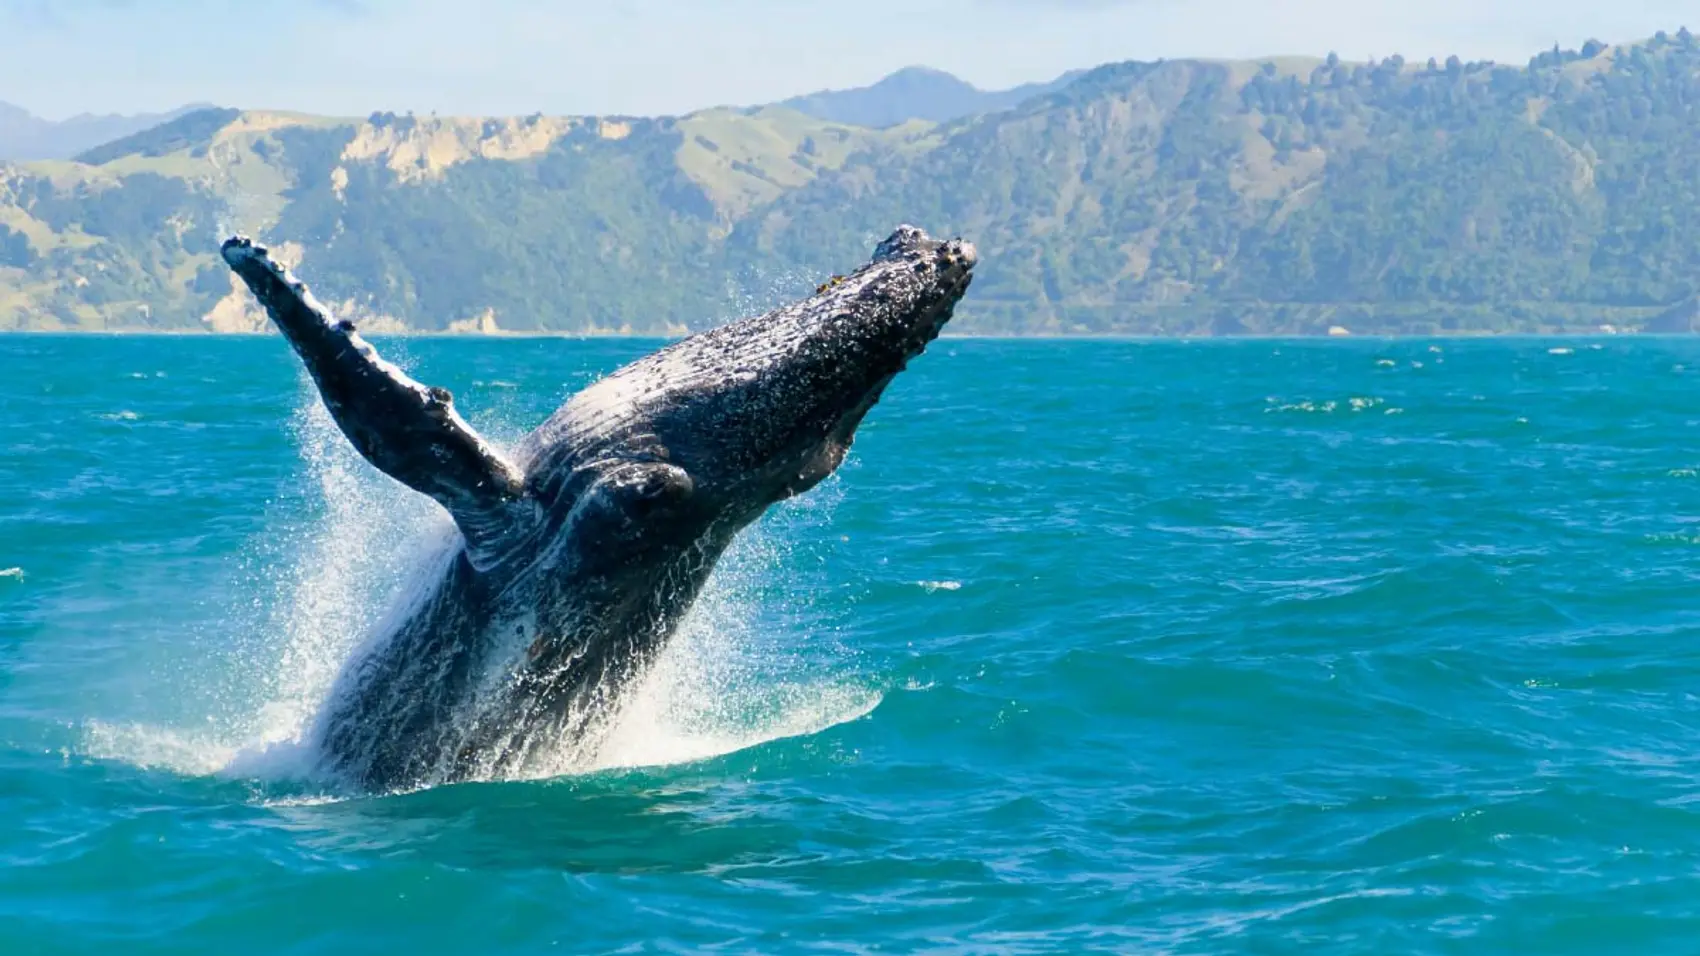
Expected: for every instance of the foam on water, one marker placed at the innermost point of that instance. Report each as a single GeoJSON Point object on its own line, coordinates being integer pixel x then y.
{"type": "Point", "coordinates": [312, 595]}
{"type": "Point", "coordinates": [162, 748]}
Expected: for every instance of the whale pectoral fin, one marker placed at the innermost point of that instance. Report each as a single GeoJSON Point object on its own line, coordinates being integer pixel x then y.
{"type": "Point", "coordinates": [408, 431]}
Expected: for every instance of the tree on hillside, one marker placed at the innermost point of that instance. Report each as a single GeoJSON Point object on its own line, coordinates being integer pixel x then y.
{"type": "Point", "coordinates": [15, 250]}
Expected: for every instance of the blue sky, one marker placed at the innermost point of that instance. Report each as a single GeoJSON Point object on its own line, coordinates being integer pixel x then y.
{"type": "Point", "coordinates": [59, 57]}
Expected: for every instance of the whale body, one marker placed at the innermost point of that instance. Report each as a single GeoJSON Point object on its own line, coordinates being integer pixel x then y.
{"type": "Point", "coordinates": [580, 550]}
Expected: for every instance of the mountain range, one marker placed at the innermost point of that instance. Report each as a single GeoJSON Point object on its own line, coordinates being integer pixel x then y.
{"type": "Point", "coordinates": [1182, 197]}
{"type": "Point", "coordinates": [24, 136]}
{"type": "Point", "coordinates": [911, 93]}
{"type": "Point", "coordinates": [917, 92]}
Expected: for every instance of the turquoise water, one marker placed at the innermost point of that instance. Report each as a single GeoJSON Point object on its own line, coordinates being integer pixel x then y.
{"type": "Point", "coordinates": [1265, 647]}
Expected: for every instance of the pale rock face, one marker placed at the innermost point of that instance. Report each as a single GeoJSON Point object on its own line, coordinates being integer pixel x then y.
{"type": "Point", "coordinates": [237, 312]}
{"type": "Point", "coordinates": [482, 324]}
{"type": "Point", "coordinates": [424, 148]}
{"type": "Point", "coordinates": [374, 322]}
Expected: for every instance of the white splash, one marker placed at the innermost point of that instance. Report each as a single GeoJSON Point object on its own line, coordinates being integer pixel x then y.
{"type": "Point", "coordinates": [302, 600]}
{"type": "Point", "coordinates": [157, 747]}
{"type": "Point", "coordinates": [16, 573]}
{"type": "Point", "coordinates": [364, 557]}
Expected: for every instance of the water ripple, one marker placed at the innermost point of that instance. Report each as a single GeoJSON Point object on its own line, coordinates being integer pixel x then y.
{"type": "Point", "coordinates": [1153, 647]}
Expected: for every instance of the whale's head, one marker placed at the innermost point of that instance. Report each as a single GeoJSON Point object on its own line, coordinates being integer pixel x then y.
{"type": "Point", "coordinates": [717, 427]}
{"type": "Point", "coordinates": [792, 387]}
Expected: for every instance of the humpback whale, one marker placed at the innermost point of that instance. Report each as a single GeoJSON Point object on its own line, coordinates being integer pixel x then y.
{"type": "Point", "coordinates": [580, 549]}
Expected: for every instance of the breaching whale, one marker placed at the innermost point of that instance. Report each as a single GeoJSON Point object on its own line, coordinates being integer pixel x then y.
{"type": "Point", "coordinates": [580, 550]}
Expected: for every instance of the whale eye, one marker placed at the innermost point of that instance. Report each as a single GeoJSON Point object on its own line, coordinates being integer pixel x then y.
{"type": "Point", "coordinates": [637, 489]}
{"type": "Point", "coordinates": [617, 508]}
{"type": "Point", "coordinates": [661, 483]}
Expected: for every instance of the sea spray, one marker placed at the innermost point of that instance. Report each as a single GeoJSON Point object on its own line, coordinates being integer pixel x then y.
{"type": "Point", "coordinates": [341, 544]}
{"type": "Point", "coordinates": [370, 554]}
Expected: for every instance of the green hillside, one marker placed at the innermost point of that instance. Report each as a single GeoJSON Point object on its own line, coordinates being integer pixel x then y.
{"type": "Point", "coordinates": [1180, 197]}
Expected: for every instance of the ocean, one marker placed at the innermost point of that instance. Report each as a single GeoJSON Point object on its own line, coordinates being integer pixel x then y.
{"type": "Point", "coordinates": [1147, 647]}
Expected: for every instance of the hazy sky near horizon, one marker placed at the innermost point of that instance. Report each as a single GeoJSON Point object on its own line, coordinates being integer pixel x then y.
{"type": "Point", "coordinates": [350, 57]}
